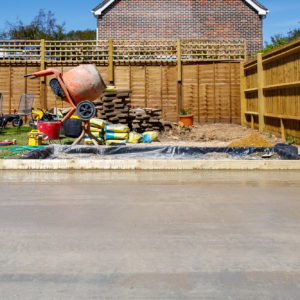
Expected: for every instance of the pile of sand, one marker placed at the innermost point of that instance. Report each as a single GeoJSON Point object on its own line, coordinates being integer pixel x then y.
{"type": "Point", "coordinates": [254, 140]}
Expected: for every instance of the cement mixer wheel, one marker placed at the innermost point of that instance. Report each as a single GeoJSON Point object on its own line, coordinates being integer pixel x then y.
{"type": "Point", "coordinates": [86, 110]}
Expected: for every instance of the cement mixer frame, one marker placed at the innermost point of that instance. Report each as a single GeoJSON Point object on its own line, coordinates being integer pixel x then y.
{"type": "Point", "coordinates": [84, 108]}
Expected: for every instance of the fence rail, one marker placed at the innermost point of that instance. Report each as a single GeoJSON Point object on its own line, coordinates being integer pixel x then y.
{"type": "Point", "coordinates": [270, 91]}
{"type": "Point", "coordinates": [121, 51]}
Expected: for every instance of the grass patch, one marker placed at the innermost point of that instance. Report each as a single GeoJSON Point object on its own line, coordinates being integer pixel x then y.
{"type": "Point", "coordinates": [21, 137]}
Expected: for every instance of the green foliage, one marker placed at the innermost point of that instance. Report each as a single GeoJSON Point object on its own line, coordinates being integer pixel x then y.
{"type": "Point", "coordinates": [290, 139]}
{"type": "Point", "coordinates": [80, 35]}
{"type": "Point", "coordinates": [44, 26]}
{"type": "Point", "coordinates": [279, 39]}
{"type": "Point", "coordinates": [184, 112]}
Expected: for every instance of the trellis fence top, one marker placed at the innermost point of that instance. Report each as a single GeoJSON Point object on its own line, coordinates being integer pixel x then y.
{"type": "Point", "coordinates": [121, 51]}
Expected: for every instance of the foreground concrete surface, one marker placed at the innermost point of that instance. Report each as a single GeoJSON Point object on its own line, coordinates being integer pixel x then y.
{"type": "Point", "coordinates": [150, 235]}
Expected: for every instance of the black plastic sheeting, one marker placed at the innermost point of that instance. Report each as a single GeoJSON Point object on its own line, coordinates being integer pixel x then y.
{"type": "Point", "coordinates": [285, 152]}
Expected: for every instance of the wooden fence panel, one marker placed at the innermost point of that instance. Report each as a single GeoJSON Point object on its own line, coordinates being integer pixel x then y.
{"type": "Point", "coordinates": [17, 85]}
{"type": "Point", "coordinates": [222, 92]}
{"type": "Point", "coordinates": [206, 93]}
{"type": "Point", "coordinates": [169, 93]}
{"type": "Point", "coordinates": [5, 88]}
{"type": "Point", "coordinates": [33, 86]}
{"type": "Point", "coordinates": [273, 101]}
{"type": "Point", "coordinates": [235, 94]}
{"type": "Point", "coordinates": [190, 89]}
{"type": "Point", "coordinates": [138, 86]}
{"type": "Point", "coordinates": [153, 87]}
{"type": "Point", "coordinates": [122, 77]}
{"type": "Point", "coordinates": [211, 92]}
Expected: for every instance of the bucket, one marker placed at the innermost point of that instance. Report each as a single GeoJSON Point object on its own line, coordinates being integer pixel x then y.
{"type": "Point", "coordinates": [72, 128]}
{"type": "Point", "coordinates": [34, 138]}
{"type": "Point", "coordinates": [51, 129]}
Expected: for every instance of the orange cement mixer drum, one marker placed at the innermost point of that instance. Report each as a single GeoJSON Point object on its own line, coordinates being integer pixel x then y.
{"type": "Point", "coordinates": [84, 83]}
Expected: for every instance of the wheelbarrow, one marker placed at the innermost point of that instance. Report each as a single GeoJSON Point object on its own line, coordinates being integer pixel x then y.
{"type": "Point", "coordinates": [24, 109]}
{"type": "Point", "coordinates": [79, 87]}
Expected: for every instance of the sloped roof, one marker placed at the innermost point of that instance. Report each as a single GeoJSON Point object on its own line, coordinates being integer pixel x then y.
{"type": "Point", "coordinates": [261, 10]}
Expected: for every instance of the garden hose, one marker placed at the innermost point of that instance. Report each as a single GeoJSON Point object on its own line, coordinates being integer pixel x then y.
{"type": "Point", "coordinates": [18, 149]}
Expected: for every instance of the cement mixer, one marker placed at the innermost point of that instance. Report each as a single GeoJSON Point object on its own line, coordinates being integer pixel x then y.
{"type": "Point", "coordinates": [78, 87]}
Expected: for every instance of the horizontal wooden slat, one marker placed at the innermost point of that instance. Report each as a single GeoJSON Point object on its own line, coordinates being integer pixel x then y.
{"type": "Point", "coordinates": [286, 117]}
{"type": "Point", "coordinates": [255, 113]}
{"type": "Point", "coordinates": [282, 85]}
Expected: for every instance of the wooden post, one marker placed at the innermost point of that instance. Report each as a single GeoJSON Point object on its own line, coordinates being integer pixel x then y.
{"type": "Point", "coordinates": [179, 75]}
{"type": "Point", "coordinates": [43, 79]}
{"type": "Point", "coordinates": [9, 88]}
{"type": "Point", "coordinates": [179, 68]}
{"type": "Point", "coordinates": [110, 61]}
{"type": "Point", "coordinates": [25, 79]}
{"type": "Point", "coordinates": [252, 121]}
{"type": "Point", "coordinates": [243, 97]}
{"type": "Point", "coordinates": [261, 98]}
{"type": "Point", "coordinates": [245, 50]}
{"type": "Point", "coordinates": [282, 129]}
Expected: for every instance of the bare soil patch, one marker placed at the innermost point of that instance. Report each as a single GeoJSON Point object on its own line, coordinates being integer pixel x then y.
{"type": "Point", "coordinates": [217, 135]}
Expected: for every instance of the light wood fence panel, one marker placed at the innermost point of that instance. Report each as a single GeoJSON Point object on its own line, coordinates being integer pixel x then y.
{"type": "Point", "coordinates": [170, 99]}
{"type": "Point", "coordinates": [211, 92]}
{"type": "Point", "coordinates": [272, 90]}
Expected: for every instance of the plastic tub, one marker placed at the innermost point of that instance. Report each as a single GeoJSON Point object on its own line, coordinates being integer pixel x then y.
{"type": "Point", "coordinates": [51, 129]}
{"type": "Point", "coordinates": [72, 128]}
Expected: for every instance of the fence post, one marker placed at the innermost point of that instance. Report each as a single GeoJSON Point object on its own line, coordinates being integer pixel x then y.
{"type": "Point", "coordinates": [43, 79]}
{"type": "Point", "coordinates": [261, 98]}
{"type": "Point", "coordinates": [110, 61]}
{"type": "Point", "coordinates": [245, 50]}
{"type": "Point", "coordinates": [179, 75]}
{"type": "Point", "coordinates": [282, 129]}
{"type": "Point", "coordinates": [243, 98]}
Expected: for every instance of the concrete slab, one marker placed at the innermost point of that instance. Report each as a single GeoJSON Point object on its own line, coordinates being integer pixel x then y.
{"type": "Point", "coordinates": [89, 164]}
{"type": "Point", "coordinates": [150, 234]}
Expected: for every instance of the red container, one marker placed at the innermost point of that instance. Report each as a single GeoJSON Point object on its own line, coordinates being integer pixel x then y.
{"type": "Point", "coordinates": [51, 129]}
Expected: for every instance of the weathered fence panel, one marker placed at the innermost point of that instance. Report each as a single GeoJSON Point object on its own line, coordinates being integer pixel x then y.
{"type": "Point", "coordinates": [200, 75]}
{"type": "Point", "coordinates": [271, 91]}
{"type": "Point", "coordinates": [211, 90]}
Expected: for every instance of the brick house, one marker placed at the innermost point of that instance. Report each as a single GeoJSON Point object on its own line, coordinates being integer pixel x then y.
{"type": "Point", "coordinates": [153, 19]}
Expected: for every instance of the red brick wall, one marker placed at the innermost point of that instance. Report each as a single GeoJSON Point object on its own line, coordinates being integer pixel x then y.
{"type": "Point", "coordinates": [135, 19]}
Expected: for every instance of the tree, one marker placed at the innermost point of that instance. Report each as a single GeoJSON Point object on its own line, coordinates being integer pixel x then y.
{"type": "Point", "coordinates": [44, 26]}
{"type": "Point", "coordinates": [81, 35]}
{"type": "Point", "coordinates": [280, 39]}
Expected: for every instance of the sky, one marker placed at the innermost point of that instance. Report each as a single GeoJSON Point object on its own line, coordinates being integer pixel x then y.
{"type": "Point", "coordinates": [283, 15]}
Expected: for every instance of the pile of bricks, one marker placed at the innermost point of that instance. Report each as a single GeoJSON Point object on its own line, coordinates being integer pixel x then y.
{"type": "Point", "coordinates": [114, 107]}
{"type": "Point", "coordinates": [146, 119]}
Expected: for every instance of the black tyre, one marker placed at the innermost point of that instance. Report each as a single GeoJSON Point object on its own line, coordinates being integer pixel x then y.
{"type": "Point", "coordinates": [17, 122]}
{"type": "Point", "coordinates": [32, 123]}
{"type": "Point", "coordinates": [86, 110]}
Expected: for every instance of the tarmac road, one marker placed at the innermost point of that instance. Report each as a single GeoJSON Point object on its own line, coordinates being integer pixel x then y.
{"type": "Point", "coordinates": [150, 235]}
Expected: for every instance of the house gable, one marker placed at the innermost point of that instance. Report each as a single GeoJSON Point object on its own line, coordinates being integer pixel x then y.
{"type": "Point", "coordinates": [260, 9]}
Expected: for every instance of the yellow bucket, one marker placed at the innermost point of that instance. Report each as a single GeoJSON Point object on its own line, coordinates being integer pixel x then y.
{"type": "Point", "coordinates": [35, 138]}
